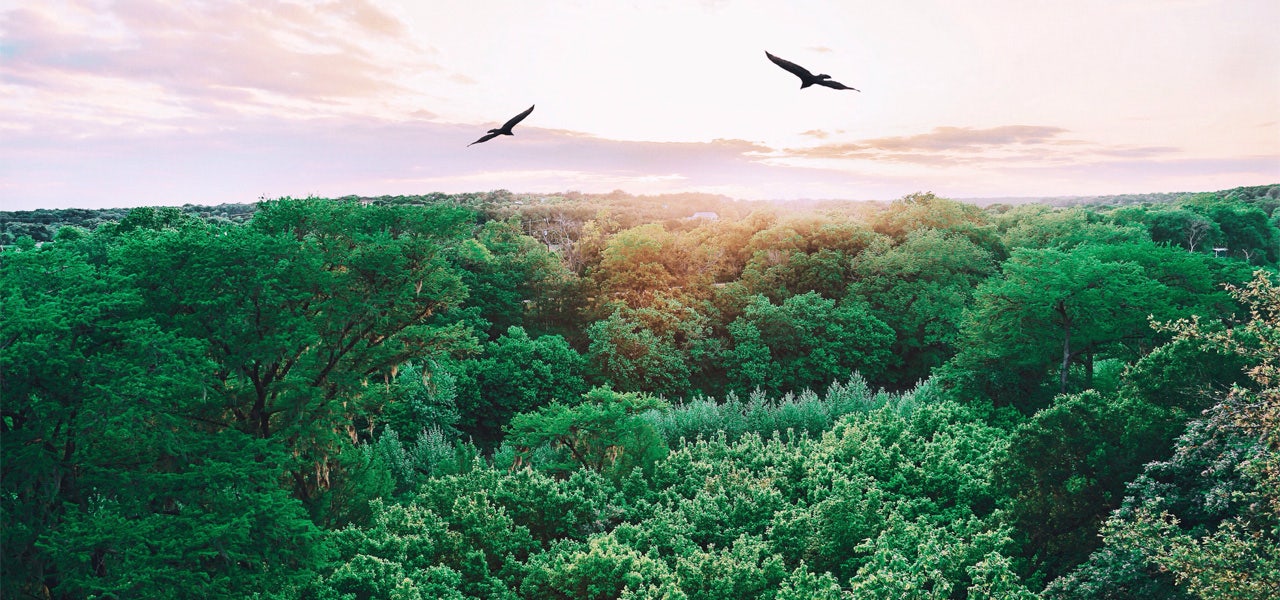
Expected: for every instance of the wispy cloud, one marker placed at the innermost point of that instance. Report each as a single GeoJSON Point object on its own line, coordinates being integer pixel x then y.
{"type": "Point", "coordinates": [941, 139]}
{"type": "Point", "coordinates": [204, 58]}
{"type": "Point", "coordinates": [1137, 151]}
{"type": "Point", "coordinates": [993, 146]}
{"type": "Point", "coordinates": [256, 156]}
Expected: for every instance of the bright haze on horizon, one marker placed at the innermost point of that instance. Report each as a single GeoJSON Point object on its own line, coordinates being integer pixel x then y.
{"type": "Point", "coordinates": [145, 102]}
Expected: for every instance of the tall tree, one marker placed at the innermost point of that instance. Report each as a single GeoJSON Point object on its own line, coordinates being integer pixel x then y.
{"type": "Point", "coordinates": [920, 288]}
{"type": "Point", "coordinates": [1051, 309]}
{"type": "Point", "coordinates": [301, 308]}
{"type": "Point", "coordinates": [602, 432]}
{"type": "Point", "coordinates": [633, 355]}
{"type": "Point", "coordinates": [1037, 226]}
{"type": "Point", "coordinates": [513, 279]}
{"type": "Point", "coordinates": [517, 374]}
{"type": "Point", "coordinates": [1205, 522]}
{"type": "Point", "coordinates": [114, 482]}
{"type": "Point", "coordinates": [805, 342]}
{"type": "Point", "coordinates": [927, 211]}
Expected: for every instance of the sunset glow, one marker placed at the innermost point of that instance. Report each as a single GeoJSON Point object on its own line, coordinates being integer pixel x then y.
{"type": "Point", "coordinates": [141, 102]}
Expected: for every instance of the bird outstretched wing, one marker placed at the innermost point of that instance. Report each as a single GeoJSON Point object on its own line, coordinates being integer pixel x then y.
{"type": "Point", "coordinates": [505, 129]}
{"type": "Point", "coordinates": [836, 85]}
{"type": "Point", "coordinates": [483, 139]}
{"type": "Point", "coordinates": [516, 119]}
{"type": "Point", "coordinates": [795, 69]}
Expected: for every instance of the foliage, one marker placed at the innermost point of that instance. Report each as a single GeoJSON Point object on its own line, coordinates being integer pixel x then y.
{"type": "Point", "coordinates": [300, 308]}
{"type": "Point", "coordinates": [602, 433]}
{"type": "Point", "coordinates": [114, 483]}
{"type": "Point", "coordinates": [1037, 226]}
{"type": "Point", "coordinates": [805, 342]}
{"type": "Point", "coordinates": [920, 288]}
{"type": "Point", "coordinates": [461, 396]}
{"type": "Point", "coordinates": [808, 413]}
{"type": "Point", "coordinates": [418, 398]}
{"type": "Point", "coordinates": [800, 255]}
{"type": "Point", "coordinates": [652, 349]}
{"type": "Point", "coordinates": [1051, 309]}
{"type": "Point", "coordinates": [511, 278]}
{"type": "Point", "coordinates": [1205, 522]}
{"type": "Point", "coordinates": [1066, 469]}
{"type": "Point", "coordinates": [516, 374]}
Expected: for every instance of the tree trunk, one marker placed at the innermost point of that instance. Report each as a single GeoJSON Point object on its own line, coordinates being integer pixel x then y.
{"type": "Point", "coordinates": [1088, 370]}
{"type": "Point", "coordinates": [1066, 346]}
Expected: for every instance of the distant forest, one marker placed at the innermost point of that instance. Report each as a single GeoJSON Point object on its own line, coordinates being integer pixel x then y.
{"type": "Point", "coordinates": [41, 224]}
{"type": "Point", "coordinates": [525, 396]}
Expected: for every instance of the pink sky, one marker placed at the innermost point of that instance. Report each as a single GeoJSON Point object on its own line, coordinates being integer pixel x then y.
{"type": "Point", "coordinates": [139, 102]}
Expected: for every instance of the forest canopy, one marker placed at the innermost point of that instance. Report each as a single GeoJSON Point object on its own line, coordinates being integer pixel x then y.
{"type": "Point", "coordinates": [502, 395]}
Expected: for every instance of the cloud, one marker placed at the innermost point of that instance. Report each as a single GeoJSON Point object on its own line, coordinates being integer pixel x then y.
{"type": "Point", "coordinates": [941, 139]}
{"type": "Point", "coordinates": [263, 156]}
{"type": "Point", "coordinates": [1137, 151]}
{"type": "Point", "coordinates": [968, 138]}
{"type": "Point", "coordinates": [253, 156]}
{"type": "Point", "coordinates": [209, 58]}
{"type": "Point", "coordinates": [968, 146]}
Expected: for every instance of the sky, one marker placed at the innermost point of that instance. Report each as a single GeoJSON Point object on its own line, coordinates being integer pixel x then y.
{"type": "Point", "coordinates": [150, 102]}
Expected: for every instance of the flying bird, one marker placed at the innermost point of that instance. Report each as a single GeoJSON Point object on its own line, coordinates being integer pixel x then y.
{"type": "Point", "coordinates": [505, 129]}
{"type": "Point", "coordinates": [806, 78]}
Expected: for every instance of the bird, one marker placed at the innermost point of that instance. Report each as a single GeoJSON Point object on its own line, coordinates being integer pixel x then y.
{"type": "Point", "coordinates": [505, 129]}
{"type": "Point", "coordinates": [806, 78]}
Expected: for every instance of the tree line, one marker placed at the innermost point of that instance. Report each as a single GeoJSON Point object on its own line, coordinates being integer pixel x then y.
{"type": "Point", "coordinates": [493, 396]}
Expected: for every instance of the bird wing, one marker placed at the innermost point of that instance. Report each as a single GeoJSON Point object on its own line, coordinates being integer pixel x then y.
{"type": "Point", "coordinates": [836, 85]}
{"type": "Point", "coordinates": [516, 119]}
{"type": "Point", "coordinates": [486, 138]}
{"type": "Point", "coordinates": [795, 69]}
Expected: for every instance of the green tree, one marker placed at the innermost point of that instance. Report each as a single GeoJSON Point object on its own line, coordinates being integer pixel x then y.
{"type": "Point", "coordinates": [920, 288]}
{"type": "Point", "coordinates": [1038, 226]}
{"type": "Point", "coordinates": [1052, 308]}
{"type": "Point", "coordinates": [802, 584]}
{"type": "Point", "coordinates": [1246, 232]}
{"type": "Point", "coordinates": [1204, 523]}
{"type": "Point", "coordinates": [1175, 225]}
{"type": "Point", "coordinates": [746, 569]}
{"type": "Point", "coordinates": [300, 309]}
{"type": "Point", "coordinates": [603, 433]}
{"type": "Point", "coordinates": [411, 548]}
{"type": "Point", "coordinates": [804, 254]}
{"type": "Point", "coordinates": [517, 374]}
{"type": "Point", "coordinates": [600, 569]}
{"type": "Point", "coordinates": [156, 219]}
{"type": "Point", "coordinates": [647, 349]}
{"type": "Point", "coordinates": [635, 265]}
{"type": "Point", "coordinates": [926, 211]}
{"type": "Point", "coordinates": [806, 342]}
{"type": "Point", "coordinates": [114, 481]}
{"type": "Point", "coordinates": [1066, 469]}
{"type": "Point", "coordinates": [417, 398]}
{"type": "Point", "coordinates": [1199, 525]}
{"type": "Point", "coordinates": [551, 508]}
{"type": "Point", "coordinates": [512, 278]}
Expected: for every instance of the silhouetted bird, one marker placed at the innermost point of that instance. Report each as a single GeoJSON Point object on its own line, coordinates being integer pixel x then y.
{"type": "Point", "coordinates": [806, 78]}
{"type": "Point", "coordinates": [505, 129]}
